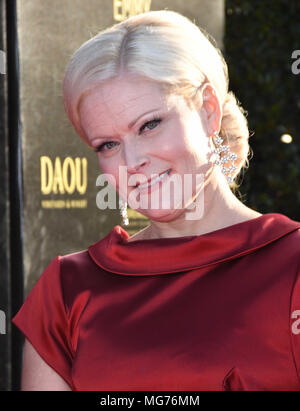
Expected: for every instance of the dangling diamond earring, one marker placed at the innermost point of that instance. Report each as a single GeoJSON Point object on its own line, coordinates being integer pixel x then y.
{"type": "Point", "coordinates": [228, 156]}
{"type": "Point", "coordinates": [123, 211]}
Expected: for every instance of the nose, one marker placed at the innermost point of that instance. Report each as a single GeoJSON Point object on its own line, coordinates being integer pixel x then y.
{"type": "Point", "coordinates": [135, 158]}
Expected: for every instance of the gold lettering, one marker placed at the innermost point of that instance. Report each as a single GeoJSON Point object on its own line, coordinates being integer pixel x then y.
{"type": "Point", "coordinates": [58, 180]}
{"type": "Point", "coordinates": [78, 203]}
{"type": "Point", "coordinates": [69, 186]}
{"type": "Point", "coordinates": [138, 7]}
{"type": "Point", "coordinates": [81, 183]}
{"type": "Point", "coordinates": [67, 178]}
{"type": "Point", "coordinates": [64, 204]}
{"type": "Point", "coordinates": [127, 8]}
{"type": "Point", "coordinates": [46, 165]}
{"type": "Point", "coordinates": [147, 6]}
{"type": "Point", "coordinates": [118, 16]}
{"type": "Point", "coordinates": [53, 203]}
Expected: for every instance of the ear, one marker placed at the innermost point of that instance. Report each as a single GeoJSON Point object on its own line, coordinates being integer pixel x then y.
{"type": "Point", "coordinates": [211, 111]}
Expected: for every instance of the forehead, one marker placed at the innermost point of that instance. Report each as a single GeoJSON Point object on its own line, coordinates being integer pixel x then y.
{"type": "Point", "coordinates": [117, 95]}
{"type": "Point", "coordinates": [119, 101]}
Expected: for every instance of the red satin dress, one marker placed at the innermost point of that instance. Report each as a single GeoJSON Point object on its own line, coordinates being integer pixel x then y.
{"type": "Point", "coordinates": [218, 311]}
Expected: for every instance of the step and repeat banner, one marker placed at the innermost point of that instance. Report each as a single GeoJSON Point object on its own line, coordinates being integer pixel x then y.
{"type": "Point", "coordinates": [47, 173]}
{"type": "Point", "coordinates": [59, 171]}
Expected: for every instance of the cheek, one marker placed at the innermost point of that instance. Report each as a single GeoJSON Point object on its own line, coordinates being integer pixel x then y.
{"type": "Point", "coordinates": [191, 148]}
{"type": "Point", "coordinates": [197, 143]}
{"type": "Point", "coordinates": [173, 144]}
{"type": "Point", "coordinates": [188, 144]}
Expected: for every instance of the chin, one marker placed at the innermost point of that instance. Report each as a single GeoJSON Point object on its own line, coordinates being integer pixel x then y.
{"type": "Point", "coordinates": [161, 215]}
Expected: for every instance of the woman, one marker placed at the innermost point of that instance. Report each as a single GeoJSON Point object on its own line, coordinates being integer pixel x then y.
{"type": "Point", "coordinates": [205, 300]}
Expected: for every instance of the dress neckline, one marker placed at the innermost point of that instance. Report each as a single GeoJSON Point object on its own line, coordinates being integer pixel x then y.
{"type": "Point", "coordinates": [157, 256]}
{"type": "Point", "coordinates": [124, 236]}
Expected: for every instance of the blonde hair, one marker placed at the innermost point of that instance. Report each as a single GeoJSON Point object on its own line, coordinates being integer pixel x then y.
{"type": "Point", "coordinates": [165, 47]}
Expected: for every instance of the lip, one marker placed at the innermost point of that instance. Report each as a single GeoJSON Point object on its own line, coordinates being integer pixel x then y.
{"type": "Point", "coordinates": [150, 179]}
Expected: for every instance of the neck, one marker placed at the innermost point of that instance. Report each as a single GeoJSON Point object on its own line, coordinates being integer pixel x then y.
{"type": "Point", "coordinates": [221, 209]}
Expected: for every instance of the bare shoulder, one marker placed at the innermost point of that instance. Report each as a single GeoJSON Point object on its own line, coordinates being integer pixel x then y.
{"type": "Point", "coordinates": [37, 375]}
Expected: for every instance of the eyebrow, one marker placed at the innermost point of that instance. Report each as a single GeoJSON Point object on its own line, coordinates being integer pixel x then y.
{"type": "Point", "coordinates": [130, 125]}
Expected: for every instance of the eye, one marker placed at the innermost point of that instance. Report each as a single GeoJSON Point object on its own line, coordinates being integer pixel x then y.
{"type": "Point", "coordinates": [101, 147]}
{"type": "Point", "coordinates": [150, 124]}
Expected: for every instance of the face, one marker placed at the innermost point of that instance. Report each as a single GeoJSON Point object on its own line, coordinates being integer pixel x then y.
{"type": "Point", "coordinates": [132, 123]}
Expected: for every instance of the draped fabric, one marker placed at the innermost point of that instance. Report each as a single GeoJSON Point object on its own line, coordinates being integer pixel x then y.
{"type": "Point", "coordinates": [218, 311]}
